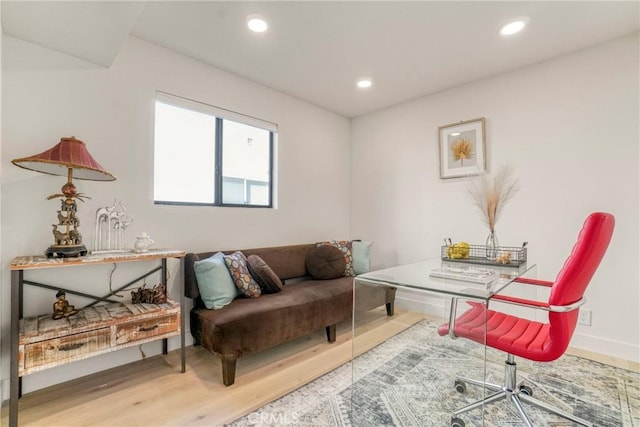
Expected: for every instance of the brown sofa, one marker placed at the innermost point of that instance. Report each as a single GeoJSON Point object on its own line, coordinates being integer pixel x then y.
{"type": "Point", "coordinates": [303, 306]}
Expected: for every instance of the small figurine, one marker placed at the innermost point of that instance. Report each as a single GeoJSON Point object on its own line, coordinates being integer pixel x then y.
{"type": "Point", "coordinates": [62, 308]}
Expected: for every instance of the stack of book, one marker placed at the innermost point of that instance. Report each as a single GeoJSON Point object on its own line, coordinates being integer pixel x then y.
{"type": "Point", "coordinates": [475, 275]}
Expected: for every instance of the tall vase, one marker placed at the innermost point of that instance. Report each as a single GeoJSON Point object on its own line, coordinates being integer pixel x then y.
{"type": "Point", "coordinates": [492, 246]}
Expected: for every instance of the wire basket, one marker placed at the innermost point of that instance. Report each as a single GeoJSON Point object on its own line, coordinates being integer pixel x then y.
{"type": "Point", "coordinates": [478, 254]}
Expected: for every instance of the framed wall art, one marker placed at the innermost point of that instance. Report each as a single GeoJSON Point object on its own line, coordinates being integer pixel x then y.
{"type": "Point", "coordinates": [462, 148]}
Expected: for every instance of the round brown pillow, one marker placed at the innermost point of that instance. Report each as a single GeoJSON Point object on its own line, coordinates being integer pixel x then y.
{"type": "Point", "coordinates": [268, 280]}
{"type": "Point", "coordinates": [326, 262]}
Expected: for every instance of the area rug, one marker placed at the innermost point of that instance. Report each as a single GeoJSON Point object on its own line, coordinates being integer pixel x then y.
{"type": "Point", "coordinates": [408, 381]}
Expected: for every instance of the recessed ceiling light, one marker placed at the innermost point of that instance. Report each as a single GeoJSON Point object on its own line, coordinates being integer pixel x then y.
{"type": "Point", "coordinates": [364, 83]}
{"type": "Point", "coordinates": [514, 26]}
{"type": "Point", "coordinates": [257, 24]}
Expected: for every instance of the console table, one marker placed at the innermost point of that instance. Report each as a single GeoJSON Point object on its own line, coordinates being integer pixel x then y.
{"type": "Point", "coordinates": [39, 342]}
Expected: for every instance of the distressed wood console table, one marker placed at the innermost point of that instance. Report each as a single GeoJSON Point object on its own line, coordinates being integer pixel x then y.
{"type": "Point", "coordinates": [39, 342]}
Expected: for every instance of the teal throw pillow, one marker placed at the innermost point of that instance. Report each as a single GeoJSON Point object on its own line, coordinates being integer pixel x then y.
{"type": "Point", "coordinates": [361, 251]}
{"type": "Point", "coordinates": [215, 284]}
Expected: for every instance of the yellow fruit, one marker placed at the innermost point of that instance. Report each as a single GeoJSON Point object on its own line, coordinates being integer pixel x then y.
{"type": "Point", "coordinates": [458, 250]}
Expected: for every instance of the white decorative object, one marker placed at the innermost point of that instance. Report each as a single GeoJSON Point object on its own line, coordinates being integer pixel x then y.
{"type": "Point", "coordinates": [111, 228]}
{"type": "Point", "coordinates": [142, 243]}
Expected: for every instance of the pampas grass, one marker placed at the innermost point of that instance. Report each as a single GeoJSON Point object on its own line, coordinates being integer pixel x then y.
{"type": "Point", "coordinates": [490, 194]}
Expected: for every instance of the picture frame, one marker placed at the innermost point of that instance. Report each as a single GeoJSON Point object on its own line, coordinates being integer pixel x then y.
{"type": "Point", "coordinates": [462, 148]}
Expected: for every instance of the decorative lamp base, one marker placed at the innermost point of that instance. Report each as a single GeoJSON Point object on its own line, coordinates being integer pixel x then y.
{"type": "Point", "coordinates": [66, 251]}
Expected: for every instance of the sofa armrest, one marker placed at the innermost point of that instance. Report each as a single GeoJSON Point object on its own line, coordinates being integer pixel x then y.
{"type": "Point", "coordinates": [190, 281]}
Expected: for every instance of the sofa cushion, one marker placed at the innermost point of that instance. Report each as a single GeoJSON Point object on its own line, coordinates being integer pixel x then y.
{"type": "Point", "coordinates": [345, 248]}
{"type": "Point", "coordinates": [286, 261]}
{"type": "Point", "coordinates": [215, 284]}
{"type": "Point", "coordinates": [326, 262]}
{"type": "Point", "coordinates": [237, 265]}
{"type": "Point", "coordinates": [247, 326]}
{"type": "Point", "coordinates": [361, 252]}
{"type": "Point", "coordinates": [268, 280]}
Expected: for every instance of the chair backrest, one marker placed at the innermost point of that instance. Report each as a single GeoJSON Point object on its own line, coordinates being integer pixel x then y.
{"type": "Point", "coordinates": [572, 280]}
{"type": "Point", "coordinates": [578, 269]}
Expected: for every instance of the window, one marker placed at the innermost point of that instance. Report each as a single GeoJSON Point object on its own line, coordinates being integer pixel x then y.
{"type": "Point", "coordinates": [208, 156]}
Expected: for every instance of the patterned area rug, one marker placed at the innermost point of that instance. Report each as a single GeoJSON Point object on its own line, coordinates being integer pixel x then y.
{"type": "Point", "coordinates": [408, 381]}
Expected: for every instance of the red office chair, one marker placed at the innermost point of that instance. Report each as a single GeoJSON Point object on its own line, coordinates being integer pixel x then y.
{"type": "Point", "coordinates": [541, 342]}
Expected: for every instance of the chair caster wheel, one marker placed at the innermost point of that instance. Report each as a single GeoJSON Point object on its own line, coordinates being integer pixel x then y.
{"type": "Point", "coordinates": [457, 422]}
{"type": "Point", "coordinates": [461, 387]}
{"type": "Point", "coordinates": [525, 390]}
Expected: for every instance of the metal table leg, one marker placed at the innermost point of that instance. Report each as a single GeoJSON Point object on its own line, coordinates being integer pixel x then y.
{"type": "Point", "coordinates": [16, 312]}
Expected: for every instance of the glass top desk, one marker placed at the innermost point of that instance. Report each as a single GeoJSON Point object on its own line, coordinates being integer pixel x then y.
{"type": "Point", "coordinates": [409, 379]}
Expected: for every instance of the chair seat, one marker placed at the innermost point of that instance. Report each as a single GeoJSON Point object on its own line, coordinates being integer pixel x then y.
{"type": "Point", "coordinates": [514, 335]}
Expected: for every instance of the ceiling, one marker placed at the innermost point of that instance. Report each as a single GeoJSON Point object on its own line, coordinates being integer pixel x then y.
{"type": "Point", "coordinates": [316, 51]}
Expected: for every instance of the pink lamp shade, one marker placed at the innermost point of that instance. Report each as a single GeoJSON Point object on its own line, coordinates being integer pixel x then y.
{"type": "Point", "coordinates": [69, 153]}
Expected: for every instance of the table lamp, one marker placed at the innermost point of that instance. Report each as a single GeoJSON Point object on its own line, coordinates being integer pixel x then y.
{"type": "Point", "coordinates": [68, 158]}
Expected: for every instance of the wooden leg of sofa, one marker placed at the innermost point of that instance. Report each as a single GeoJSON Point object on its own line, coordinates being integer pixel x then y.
{"type": "Point", "coordinates": [389, 308]}
{"type": "Point", "coordinates": [331, 333]}
{"type": "Point", "coordinates": [228, 370]}
{"type": "Point", "coordinates": [197, 341]}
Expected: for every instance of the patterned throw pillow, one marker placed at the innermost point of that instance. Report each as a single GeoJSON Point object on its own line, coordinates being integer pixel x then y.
{"type": "Point", "coordinates": [237, 265]}
{"type": "Point", "coordinates": [345, 247]}
{"type": "Point", "coordinates": [268, 280]}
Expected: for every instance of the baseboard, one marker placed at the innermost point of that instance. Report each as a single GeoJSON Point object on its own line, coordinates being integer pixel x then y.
{"type": "Point", "coordinates": [607, 347]}
{"type": "Point", "coordinates": [421, 304]}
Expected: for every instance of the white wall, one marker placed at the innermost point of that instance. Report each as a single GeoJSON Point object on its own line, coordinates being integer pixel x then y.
{"type": "Point", "coordinates": [48, 95]}
{"type": "Point", "coordinates": [569, 128]}
{"type": "Point", "coordinates": [2, 392]}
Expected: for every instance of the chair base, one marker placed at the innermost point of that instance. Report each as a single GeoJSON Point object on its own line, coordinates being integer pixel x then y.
{"type": "Point", "coordinates": [516, 394]}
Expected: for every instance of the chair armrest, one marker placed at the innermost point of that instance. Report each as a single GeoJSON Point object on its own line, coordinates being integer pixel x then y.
{"type": "Point", "coordinates": [535, 282]}
{"type": "Point", "coordinates": [538, 304]}
{"type": "Point", "coordinates": [521, 301]}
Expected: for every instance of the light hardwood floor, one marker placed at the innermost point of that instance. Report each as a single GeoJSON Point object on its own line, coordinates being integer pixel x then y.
{"type": "Point", "coordinates": [153, 392]}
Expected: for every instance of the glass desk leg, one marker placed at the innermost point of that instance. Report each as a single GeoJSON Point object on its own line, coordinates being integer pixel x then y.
{"type": "Point", "coordinates": [403, 371]}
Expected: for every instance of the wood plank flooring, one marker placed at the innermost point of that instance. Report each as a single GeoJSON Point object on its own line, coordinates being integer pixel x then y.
{"type": "Point", "coordinates": [153, 392]}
